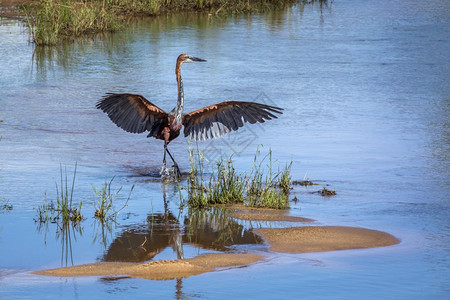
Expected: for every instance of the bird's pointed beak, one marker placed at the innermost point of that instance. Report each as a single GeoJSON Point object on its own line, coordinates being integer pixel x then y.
{"type": "Point", "coordinates": [197, 59]}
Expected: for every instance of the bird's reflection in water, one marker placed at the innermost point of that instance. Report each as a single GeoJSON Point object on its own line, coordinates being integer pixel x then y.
{"type": "Point", "coordinates": [210, 229]}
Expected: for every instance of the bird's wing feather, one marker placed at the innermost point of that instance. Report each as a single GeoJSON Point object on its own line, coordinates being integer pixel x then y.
{"type": "Point", "coordinates": [219, 119]}
{"type": "Point", "coordinates": [133, 113]}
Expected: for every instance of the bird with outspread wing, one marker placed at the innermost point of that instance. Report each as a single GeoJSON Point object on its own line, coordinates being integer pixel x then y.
{"type": "Point", "coordinates": [134, 113]}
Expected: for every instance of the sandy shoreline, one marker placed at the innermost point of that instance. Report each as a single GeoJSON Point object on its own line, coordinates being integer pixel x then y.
{"type": "Point", "coordinates": [284, 240]}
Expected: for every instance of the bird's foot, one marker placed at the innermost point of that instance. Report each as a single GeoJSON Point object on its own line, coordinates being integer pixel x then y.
{"type": "Point", "coordinates": [170, 173]}
{"type": "Point", "coordinates": [165, 171]}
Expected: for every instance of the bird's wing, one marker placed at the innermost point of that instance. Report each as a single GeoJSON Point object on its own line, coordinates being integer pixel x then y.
{"type": "Point", "coordinates": [219, 119]}
{"type": "Point", "coordinates": [133, 113]}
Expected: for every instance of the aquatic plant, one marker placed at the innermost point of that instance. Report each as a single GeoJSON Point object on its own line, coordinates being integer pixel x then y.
{"type": "Point", "coordinates": [104, 209]}
{"type": "Point", "coordinates": [259, 188]}
{"type": "Point", "coordinates": [197, 190]}
{"type": "Point", "coordinates": [306, 182]}
{"type": "Point", "coordinates": [271, 190]}
{"type": "Point", "coordinates": [326, 192]}
{"type": "Point", "coordinates": [285, 179]}
{"type": "Point", "coordinates": [4, 204]}
{"type": "Point", "coordinates": [65, 231]}
{"type": "Point", "coordinates": [64, 199]}
{"type": "Point", "coordinates": [64, 215]}
{"type": "Point", "coordinates": [64, 210]}
{"type": "Point", "coordinates": [45, 212]}
{"type": "Point", "coordinates": [225, 185]}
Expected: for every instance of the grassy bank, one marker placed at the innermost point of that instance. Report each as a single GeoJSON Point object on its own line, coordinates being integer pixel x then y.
{"type": "Point", "coordinates": [51, 21]}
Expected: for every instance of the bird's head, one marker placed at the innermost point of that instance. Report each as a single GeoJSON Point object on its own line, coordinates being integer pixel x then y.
{"type": "Point", "coordinates": [182, 58]}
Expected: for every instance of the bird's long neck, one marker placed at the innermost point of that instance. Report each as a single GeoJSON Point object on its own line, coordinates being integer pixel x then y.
{"type": "Point", "coordinates": [180, 102]}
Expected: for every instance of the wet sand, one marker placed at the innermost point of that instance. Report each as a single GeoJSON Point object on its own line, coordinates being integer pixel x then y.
{"type": "Point", "coordinates": [158, 270]}
{"type": "Point", "coordinates": [324, 238]}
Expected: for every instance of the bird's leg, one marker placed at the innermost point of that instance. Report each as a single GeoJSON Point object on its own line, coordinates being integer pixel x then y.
{"type": "Point", "coordinates": [163, 171]}
{"type": "Point", "coordinates": [164, 159]}
{"type": "Point", "coordinates": [174, 163]}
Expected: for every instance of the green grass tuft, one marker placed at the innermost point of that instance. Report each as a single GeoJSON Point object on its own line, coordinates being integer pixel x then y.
{"type": "Point", "coordinates": [56, 20]}
{"type": "Point", "coordinates": [64, 199]}
{"type": "Point", "coordinates": [261, 188]}
{"type": "Point", "coordinates": [64, 210]}
{"type": "Point", "coordinates": [104, 208]}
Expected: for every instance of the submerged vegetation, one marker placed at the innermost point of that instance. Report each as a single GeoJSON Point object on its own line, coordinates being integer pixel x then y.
{"type": "Point", "coordinates": [51, 21]}
{"type": "Point", "coordinates": [262, 187]}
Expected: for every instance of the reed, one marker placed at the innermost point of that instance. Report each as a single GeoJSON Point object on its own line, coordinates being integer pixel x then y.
{"type": "Point", "coordinates": [268, 188]}
{"type": "Point", "coordinates": [262, 187]}
{"type": "Point", "coordinates": [64, 211]}
{"type": "Point", "coordinates": [226, 185]}
{"type": "Point", "coordinates": [197, 190]}
{"type": "Point", "coordinates": [64, 199]}
{"type": "Point", "coordinates": [285, 179]}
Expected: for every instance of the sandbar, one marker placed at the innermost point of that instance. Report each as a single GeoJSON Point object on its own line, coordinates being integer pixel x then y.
{"type": "Point", "coordinates": [158, 270]}
{"type": "Point", "coordinates": [324, 238]}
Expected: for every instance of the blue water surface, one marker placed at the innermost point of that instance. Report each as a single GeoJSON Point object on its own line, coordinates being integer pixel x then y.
{"type": "Point", "coordinates": [366, 92]}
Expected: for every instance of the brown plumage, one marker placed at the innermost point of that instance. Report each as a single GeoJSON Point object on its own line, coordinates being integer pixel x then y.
{"type": "Point", "coordinates": [134, 113]}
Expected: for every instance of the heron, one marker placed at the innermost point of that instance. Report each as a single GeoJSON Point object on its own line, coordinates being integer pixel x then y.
{"type": "Point", "coordinates": [133, 113]}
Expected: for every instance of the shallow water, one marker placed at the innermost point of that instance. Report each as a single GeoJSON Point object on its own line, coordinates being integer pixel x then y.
{"type": "Point", "coordinates": [365, 87]}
